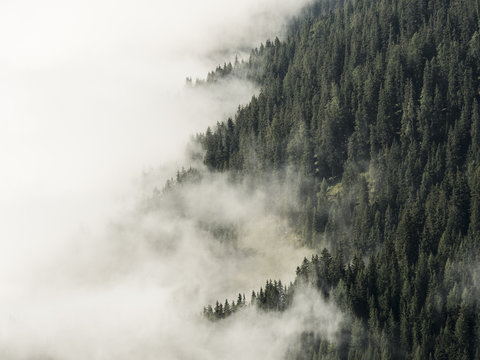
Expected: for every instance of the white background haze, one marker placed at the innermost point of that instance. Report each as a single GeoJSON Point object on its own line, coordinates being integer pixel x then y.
{"type": "Point", "coordinates": [91, 95]}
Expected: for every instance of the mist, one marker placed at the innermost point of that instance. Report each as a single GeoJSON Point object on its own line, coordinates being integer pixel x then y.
{"type": "Point", "coordinates": [137, 288]}
{"type": "Point", "coordinates": [93, 103]}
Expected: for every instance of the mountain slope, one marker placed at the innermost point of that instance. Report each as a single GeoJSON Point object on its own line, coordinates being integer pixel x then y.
{"type": "Point", "coordinates": [372, 109]}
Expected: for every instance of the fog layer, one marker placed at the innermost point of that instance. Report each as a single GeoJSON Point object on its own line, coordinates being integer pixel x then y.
{"type": "Point", "coordinates": [93, 94]}
{"type": "Point", "coordinates": [137, 289]}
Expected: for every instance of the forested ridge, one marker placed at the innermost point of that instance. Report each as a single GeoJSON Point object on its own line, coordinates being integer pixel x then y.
{"type": "Point", "coordinates": [371, 106]}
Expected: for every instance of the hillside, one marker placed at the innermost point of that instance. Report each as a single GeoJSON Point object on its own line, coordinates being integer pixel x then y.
{"type": "Point", "coordinates": [371, 109]}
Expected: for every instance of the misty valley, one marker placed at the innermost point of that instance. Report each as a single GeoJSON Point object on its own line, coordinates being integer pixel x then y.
{"type": "Point", "coordinates": [318, 196]}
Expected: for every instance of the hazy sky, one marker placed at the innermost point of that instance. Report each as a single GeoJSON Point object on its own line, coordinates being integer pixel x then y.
{"type": "Point", "coordinates": [92, 94]}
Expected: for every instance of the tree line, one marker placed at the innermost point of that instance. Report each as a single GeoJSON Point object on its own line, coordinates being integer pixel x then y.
{"type": "Point", "coordinates": [372, 107]}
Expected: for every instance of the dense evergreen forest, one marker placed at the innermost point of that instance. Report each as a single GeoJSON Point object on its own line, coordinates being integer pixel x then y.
{"type": "Point", "coordinates": [371, 107]}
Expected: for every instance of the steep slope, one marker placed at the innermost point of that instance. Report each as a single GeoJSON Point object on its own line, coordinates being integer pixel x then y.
{"type": "Point", "coordinates": [372, 109]}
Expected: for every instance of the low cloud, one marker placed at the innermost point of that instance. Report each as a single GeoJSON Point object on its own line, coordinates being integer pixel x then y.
{"type": "Point", "coordinates": [138, 288]}
{"type": "Point", "coordinates": [95, 94]}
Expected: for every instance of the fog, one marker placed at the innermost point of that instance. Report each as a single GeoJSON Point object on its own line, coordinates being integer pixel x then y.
{"type": "Point", "coordinates": [92, 96]}
{"type": "Point", "coordinates": [138, 288]}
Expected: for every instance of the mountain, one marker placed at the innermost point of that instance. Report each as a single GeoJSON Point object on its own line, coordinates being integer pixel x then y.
{"type": "Point", "coordinates": [370, 109]}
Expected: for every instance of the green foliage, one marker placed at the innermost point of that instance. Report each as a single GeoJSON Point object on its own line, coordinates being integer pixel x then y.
{"type": "Point", "coordinates": [373, 105]}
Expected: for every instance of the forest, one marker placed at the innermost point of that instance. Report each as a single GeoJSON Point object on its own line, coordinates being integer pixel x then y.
{"type": "Point", "coordinates": [370, 109]}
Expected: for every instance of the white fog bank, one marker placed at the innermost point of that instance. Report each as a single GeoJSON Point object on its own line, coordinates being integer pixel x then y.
{"type": "Point", "coordinates": [137, 289]}
{"type": "Point", "coordinates": [92, 95]}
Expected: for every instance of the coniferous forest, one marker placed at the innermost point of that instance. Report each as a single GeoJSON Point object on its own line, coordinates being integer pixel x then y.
{"type": "Point", "coordinates": [370, 109]}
